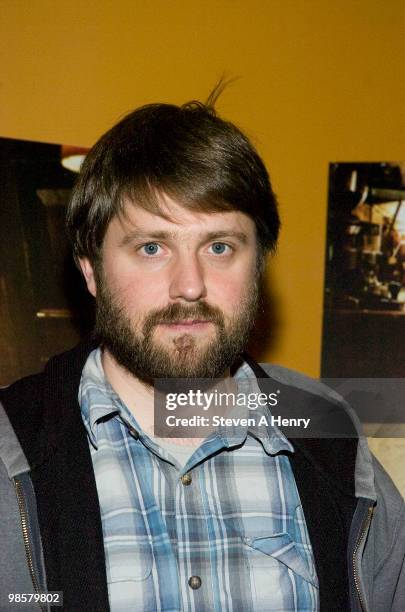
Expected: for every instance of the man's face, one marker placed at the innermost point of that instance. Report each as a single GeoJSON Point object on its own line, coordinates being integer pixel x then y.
{"type": "Point", "coordinates": [176, 296]}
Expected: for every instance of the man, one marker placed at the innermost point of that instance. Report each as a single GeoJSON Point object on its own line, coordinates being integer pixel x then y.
{"type": "Point", "coordinates": [170, 222]}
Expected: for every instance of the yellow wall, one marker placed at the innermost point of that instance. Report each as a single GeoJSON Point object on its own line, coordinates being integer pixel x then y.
{"type": "Point", "coordinates": [320, 81]}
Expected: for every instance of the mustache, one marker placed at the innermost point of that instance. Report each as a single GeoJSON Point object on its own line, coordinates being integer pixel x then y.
{"type": "Point", "coordinates": [179, 312]}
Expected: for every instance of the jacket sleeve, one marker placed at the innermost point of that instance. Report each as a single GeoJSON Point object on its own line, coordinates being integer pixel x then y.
{"type": "Point", "coordinates": [399, 597]}
{"type": "Point", "coordinates": [384, 553]}
{"type": "Point", "coordinates": [14, 573]}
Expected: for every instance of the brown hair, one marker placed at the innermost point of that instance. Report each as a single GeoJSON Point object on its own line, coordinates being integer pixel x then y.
{"type": "Point", "coordinates": [188, 152]}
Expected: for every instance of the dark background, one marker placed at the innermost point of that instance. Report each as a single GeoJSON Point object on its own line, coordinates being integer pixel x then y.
{"type": "Point", "coordinates": [44, 306]}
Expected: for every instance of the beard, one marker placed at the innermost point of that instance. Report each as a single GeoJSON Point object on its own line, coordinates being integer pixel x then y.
{"type": "Point", "coordinates": [184, 355]}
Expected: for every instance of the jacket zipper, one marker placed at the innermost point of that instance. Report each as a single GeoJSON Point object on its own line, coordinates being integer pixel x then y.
{"type": "Point", "coordinates": [26, 537]}
{"type": "Point", "coordinates": [363, 532]}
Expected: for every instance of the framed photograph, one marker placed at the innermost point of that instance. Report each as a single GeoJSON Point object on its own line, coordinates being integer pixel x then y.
{"type": "Point", "coordinates": [364, 299]}
{"type": "Point", "coordinates": [44, 307]}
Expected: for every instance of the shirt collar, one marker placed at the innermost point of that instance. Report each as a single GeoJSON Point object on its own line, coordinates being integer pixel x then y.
{"type": "Point", "coordinates": [270, 436]}
{"type": "Point", "coordinates": [98, 400]}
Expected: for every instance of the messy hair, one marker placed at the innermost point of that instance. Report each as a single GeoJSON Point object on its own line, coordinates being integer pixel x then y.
{"type": "Point", "coordinates": [187, 152]}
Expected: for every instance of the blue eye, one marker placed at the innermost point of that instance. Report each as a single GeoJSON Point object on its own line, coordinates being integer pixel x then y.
{"type": "Point", "coordinates": [151, 248]}
{"type": "Point", "coordinates": [219, 248]}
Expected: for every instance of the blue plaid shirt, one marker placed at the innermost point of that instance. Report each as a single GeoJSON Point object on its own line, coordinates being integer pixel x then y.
{"type": "Point", "coordinates": [238, 528]}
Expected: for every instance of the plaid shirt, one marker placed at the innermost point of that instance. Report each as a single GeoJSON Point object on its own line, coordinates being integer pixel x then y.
{"type": "Point", "coordinates": [238, 528]}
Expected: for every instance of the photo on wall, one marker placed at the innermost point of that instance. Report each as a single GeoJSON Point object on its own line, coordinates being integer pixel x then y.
{"type": "Point", "coordinates": [364, 292]}
{"type": "Point", "coordinates": [44, 307]}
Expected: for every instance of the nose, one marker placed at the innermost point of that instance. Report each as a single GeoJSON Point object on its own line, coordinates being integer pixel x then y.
{"type": "Point", "coordinates": [187, 280]}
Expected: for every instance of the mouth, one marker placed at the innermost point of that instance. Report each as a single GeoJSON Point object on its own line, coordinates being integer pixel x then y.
{"type": "Point", "coordinates": [187, 324]}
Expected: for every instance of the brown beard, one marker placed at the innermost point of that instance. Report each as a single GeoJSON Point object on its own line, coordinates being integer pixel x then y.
{"type": "Point", "coordinates": [146, 359]}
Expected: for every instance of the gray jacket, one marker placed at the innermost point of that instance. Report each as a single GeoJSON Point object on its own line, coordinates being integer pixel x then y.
{"type": "Point", "coordinates": [376, 551]}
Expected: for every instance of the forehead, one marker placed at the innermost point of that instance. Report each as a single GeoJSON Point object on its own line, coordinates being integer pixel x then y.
{"type": "Point", "coordinates": [176, 219]}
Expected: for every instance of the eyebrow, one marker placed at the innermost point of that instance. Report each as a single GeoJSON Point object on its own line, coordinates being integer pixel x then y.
{"type": "Point", "coordinates": [164, 235]}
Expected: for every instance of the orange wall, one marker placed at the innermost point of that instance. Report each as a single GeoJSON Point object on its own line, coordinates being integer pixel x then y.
{"type": "Point", "coordinates": [320, 81]}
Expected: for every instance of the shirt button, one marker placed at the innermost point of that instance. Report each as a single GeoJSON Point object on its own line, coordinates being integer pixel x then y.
{"type": "Point", "coordinates": [186, 480]}
{"type": "Point", "coordinates": [194, 582]}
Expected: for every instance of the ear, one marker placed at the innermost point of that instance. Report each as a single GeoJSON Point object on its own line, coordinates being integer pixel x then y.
{"type": "Point", "coordinates": [88, 273]}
